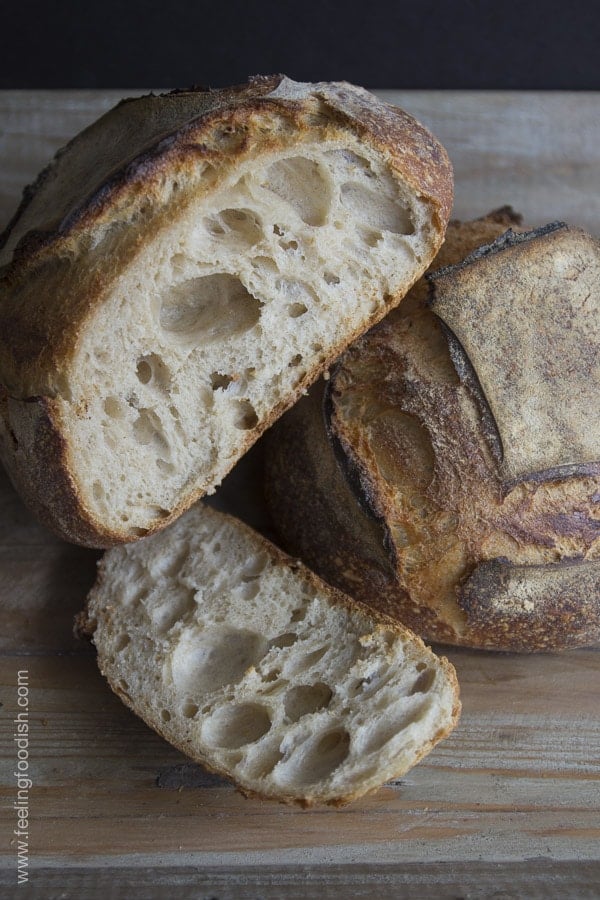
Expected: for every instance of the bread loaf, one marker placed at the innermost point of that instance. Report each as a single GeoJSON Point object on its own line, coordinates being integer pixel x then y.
{"type": "Point", "coordinates": [449, 475]}
{"type": "Point", "coordinates": [251, 665]}
{"type": "Point", "coordinates": [180, 273]}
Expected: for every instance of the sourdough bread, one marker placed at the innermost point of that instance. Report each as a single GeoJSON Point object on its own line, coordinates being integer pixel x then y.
{"type": "Point", "coordinates": [448, 473]}
{"type": "Point", "coordinates": [181, 272]}
{"type": "Point", "coordinates": [251, 665]}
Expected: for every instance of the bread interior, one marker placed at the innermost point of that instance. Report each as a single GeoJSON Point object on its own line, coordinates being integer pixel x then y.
{"type": "Point", "coordinates": [245, 291]}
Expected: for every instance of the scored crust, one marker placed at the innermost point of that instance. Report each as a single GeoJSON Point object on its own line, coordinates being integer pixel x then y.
{"type": "Point", "coordinates": [543, 413]}
{"type": "Point", "coordinates": [94, 209]}
{"type": "Point", "coordinates": [411, 505]}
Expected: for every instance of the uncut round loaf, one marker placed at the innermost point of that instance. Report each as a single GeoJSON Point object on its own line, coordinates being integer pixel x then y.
{"type": "Point", "coordinates": [241, 657]}
{"type": "Point", "coordinates": [180, 273]}
{"type": "Point", "coordinates": [449, 473]}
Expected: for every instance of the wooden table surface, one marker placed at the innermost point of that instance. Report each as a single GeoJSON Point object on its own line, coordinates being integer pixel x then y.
{"type": "Point", "coordinates": [508, 806]}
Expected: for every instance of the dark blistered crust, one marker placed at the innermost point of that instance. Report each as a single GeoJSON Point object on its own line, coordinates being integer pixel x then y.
{"type": "Point", "coordinates": [468, 376]}
{"type": "Point", "coordinates": [35, 456]}
{"type": "Point", "coordinates": [509, 239]}
{"type": "Point", "coordinates": [355, 474]}
{"type": "Point", "coordinates": [337, 538]}
{"type": "Point", "coordinates": [543, 607]}
{"type": "Point", "coordinates": [127, 169]}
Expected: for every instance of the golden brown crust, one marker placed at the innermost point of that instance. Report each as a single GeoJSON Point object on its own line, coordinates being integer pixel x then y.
{"type": "Point", "coordinates": [432, 500]}
{"type": "Point", "coordinates": [65, 264]}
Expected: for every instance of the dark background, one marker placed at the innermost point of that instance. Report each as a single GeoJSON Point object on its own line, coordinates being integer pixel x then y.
{"type": "Point", "coordinates": [428, 44]}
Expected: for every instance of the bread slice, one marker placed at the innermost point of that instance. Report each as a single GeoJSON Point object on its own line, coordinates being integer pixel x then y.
{"type": "Point", "coordinates": [182, 271]}
{"type": "Point", "coordinates": [248, 663]}
{"type": "Point", "coordinates": [392, 486]}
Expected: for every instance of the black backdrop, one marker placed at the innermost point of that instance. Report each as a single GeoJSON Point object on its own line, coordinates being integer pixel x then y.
{"type": "Point", "coordinates": [418, 44]}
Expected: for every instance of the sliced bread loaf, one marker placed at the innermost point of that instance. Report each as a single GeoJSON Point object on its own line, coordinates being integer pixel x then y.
{"type": "Point", "coordinates": [181, 272]}
{"type": "Point", "coordinates": [246, 661]}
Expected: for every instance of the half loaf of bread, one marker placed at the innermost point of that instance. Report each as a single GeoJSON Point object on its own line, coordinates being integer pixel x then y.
{"type": "Point", "coordinates": [251, 665]}
{"type": "Point", "coordinates": [180, 273]}
{"type": "Point", "coordinates": [450, 473]}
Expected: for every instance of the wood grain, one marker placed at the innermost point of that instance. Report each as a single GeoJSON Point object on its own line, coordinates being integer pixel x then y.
{"type": "Point", "coordinates": [508, 806]}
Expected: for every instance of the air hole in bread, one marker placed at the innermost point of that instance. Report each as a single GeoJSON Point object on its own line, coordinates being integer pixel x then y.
{"type": "Point", "coordinates": [98, 490]}
{"type": "Point", "coordinates": [373, 209]}
{"type": "Point", "coordinates": [189, 709]}
{"type": "Point", "coordinates": [295, 310]}
{"type": "Point", "coordinates": [372, 238]}
{"type": "Point", "coordinates": [152, 369]}
{"type": "Point", "coordinates": [207, 659]}
{"type": "Point", "coordinates": [316, 759]}
{"type": "Point", "coordinates": [305, 699]}
{"type": "Point", "coordinates": [171, 564]}
{"type": "Point", "coordinates": [232, 727]}
{"type": "Point", "coordinates": [424, 682]}
{"type": "Point", "coordinates": [264, 762]}
{"type": "Point", "coordinates": [122, 641]}
{"type": "Point", "coordinates": [235, 225]}
{"type": "Point", "coordinates": [353, 165]}
{"type": "Point", "coordinates": [147, 429]}
{"type": "Point", "coordinates": [302, 184]}
{"type": "Point", "coordinates": [220, 381]}
{"type": "Point", "coordinates": [284, 640]}
{"type": "Point", "coordinates": [275, 686]}
{"type": "Point", "coordinates": [166, 467]}
{"type": "Point", "coordinates": [144, 371]}
{"type": "Point", "coordinates": [229, 138]}
{"type": "Point", "coordinates": [210, 308]}
{"type": "Point", "coordinates": [387, 638]}
{"type": "Point", "coordinates": [330, 278]}
{"type": "Point", "coordinates": [213, 226]}
{"type": "Point", "coordinates": [254, 566]}
{"type": "Point", "coordinates": [114, 408]}
{"type": "Point", "coordinates": [246, 417]}
{"type": "Point", "coordinates": [165, 715]}
{"type": "Point", "coordinates": [391, 726]}
{"type": "Point", "coordinates": [370, 683]}
{"type": "Point", "coordinates": [311, 658]}
{"type": "Point", "coordinates": [288, 245]}
{"type": "Point", "coordinates": [298, 614]}
{"type": "Point", "coordinates": [265, 265]}
{"type": "Point", "coordinates": [248, 590]}
{"type": "Point", "coordinates": [175, 609]}
{"type": "Point", "coordinates": [295, 361]}
{"type": "Point", "coordinates": [157, 512]}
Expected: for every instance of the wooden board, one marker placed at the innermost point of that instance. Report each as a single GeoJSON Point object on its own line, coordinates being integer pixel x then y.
{"type": "Point", "coordinates": [508, 806]}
